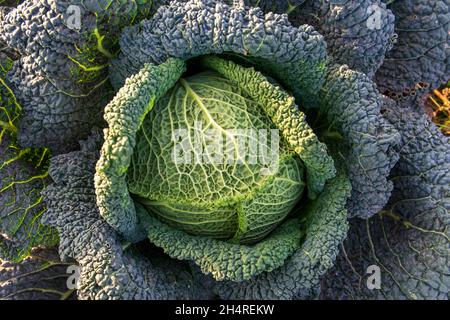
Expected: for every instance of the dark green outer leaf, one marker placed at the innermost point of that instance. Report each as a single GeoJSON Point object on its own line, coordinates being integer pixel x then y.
{"type": "Point", "coordinates": [41, 276]}
{"type": "Point", "coordinates": [277, 6]}
{"type": "Point", "coordinates": [295, 56]}
{"type": "Point", "coordinates": [410, 240]}
{"type": "Point", "coordinates": [21, 206]}
{"type": "Point", "coordinates": [352, 106]}
{"type": "Point", "coordinates": [108, 270]}
{"type": "Point", "coordinates": [358, 32]}
{"type": "Point", "coordinates": [420, 60]}
{"type": "Point", "coordinates": [60, 78]}
{"type": "Point", "coordinates": [23, 175]}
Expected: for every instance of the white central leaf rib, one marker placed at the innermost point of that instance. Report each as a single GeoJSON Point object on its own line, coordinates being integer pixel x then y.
{"type": "Point", "coordinates": [209, 117]}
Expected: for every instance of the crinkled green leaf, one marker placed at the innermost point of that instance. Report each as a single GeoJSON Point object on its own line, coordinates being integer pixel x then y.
{"type": "Point", "coordinates": [61, 77]}
{"type": "Point", "coordinates": [295, 56]}
{"type": "Point", "coordinates": [358, 33]}
{"type": "Point", "coordinates": [420, 59]}
{"type": "Point", "coordinates": [409, 241]}
{"type": "Point", "coordinates": [109, 269]}
{"type": "Point", "coordinates": [41, 276]}
{"type": "Point", "coordinates": [224, 260]}
{"type": "Point", "coordinates": [124, 115]}
{"type": "Point", "coordinates": [276, 6]}
{"type": "Point", "coordinates": [326, 226]}
{"type": "Point", "coordinates": [352, 105]}
{"type": "Point", "coordinates": [23, 175]}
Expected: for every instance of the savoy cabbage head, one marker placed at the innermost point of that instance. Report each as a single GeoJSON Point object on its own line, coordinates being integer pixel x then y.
{"type": "Point", "coordinates": [246, 151]}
